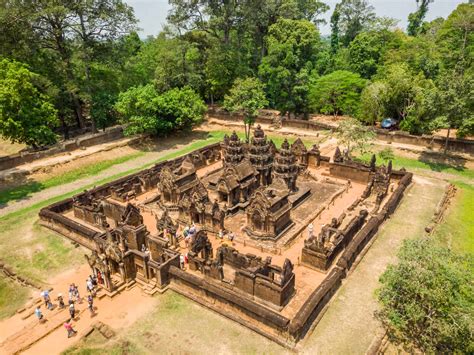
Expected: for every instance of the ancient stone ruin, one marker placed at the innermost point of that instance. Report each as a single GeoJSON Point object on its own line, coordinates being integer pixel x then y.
{"type": "Point", "coordinates": [266, 232]}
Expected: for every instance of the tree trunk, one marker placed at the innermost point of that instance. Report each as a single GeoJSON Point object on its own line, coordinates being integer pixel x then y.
{"type": "Point", "coordinates": [447, 141]}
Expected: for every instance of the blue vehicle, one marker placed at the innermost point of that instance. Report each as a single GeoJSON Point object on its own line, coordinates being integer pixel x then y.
{"type": "Point", "coordinates": [389, 123]}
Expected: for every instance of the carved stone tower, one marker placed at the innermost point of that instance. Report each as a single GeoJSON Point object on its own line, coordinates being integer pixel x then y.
{"type": "Point", "coordinates": [260, 156]}
{"type": "Point", "coordinates": [285, 166]}
{"type": "Point", "coordinates": [233, 150]}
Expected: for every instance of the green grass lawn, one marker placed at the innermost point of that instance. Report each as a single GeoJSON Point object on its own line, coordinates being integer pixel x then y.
{"type": "Point", "coordinates": [12, 297]}
{"type": "Point", "coordinates": [457, 229]}
{"type": "Point", "coordinates": [415, 164]}
{"type": "Point", "coordinates": [27, 189]}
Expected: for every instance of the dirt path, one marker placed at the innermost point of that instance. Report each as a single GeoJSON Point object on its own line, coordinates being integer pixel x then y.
{"type": "Point", "coordinates": [349, 325]}
{"type": "Point", "coordinates": [31, 337]}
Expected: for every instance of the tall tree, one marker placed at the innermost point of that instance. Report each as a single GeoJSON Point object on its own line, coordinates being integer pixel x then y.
{"type": "Point", "coordinates": [351, 17]}
{"type": "Point", "coordinates": [415, 19]}
{"type": "Point", "coordinates": [456, 103]}
{"type": "Point", "coordinates": [26, 112]}
{"type": "Point", "coordinates": [246, 97]}
{"type": "Point", "coordinates": [455, 38]}
{"type": "Point", "coordinates": [292, 50]}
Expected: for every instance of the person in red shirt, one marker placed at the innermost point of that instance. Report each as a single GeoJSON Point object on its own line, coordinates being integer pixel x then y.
{"type": "Point", "coordinates": [70, 330]}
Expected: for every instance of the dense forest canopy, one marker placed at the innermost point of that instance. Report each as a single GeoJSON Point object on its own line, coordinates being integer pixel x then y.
{"type": "Point", "coordinates": [81, 63]}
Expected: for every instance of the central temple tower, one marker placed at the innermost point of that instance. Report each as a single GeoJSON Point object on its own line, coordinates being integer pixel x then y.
{"type": "Point", "coordinates": [261, 156]}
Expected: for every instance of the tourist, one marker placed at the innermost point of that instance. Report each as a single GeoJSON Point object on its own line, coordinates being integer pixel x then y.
{"type": "Point", "coordinates": [77, 296]}
{"type": "Point", "coordinates": [90, 301]}
{"type": "Point", "coordinates": [72, 310]}
{"type": "Point", "coordinates": [231, 236]}
{"type": "Point", "coordinates": [70, 330]}
{"type": "Point", "coordinates": [38, 313]}
{"type": "Point", "coordinates": [60, 300]}
{"type": "Point", "coordinates": [90, 286]}
{"type": "Point", "coordinates": [47, 299]}
{"type": "Point", "coordinates": [181, 260]}
{"type": "Point", "coordinates": [71, 293]}
{"type": "Point", "coordinates": [221, 234]}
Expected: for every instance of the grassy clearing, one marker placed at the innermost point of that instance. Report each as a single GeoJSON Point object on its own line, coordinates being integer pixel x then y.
{"type": "Point", "coordinates": [12, 296]}
{"type": "Point", "coordinates": [418, 164]}
{"type": "Point", "coordinates": [176, 326]}
{"type": "Point", "coordinates": [457, 229]}
{"type": "Point", "coordinates": [17, 193]}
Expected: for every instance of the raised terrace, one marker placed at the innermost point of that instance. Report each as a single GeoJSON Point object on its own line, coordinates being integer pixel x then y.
{"type": "Point", "coordinates": [272, 230]}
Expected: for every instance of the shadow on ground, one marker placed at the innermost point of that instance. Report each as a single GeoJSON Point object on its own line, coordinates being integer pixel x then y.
{"type": "Point", "coordinates": [439, 162]}
{"type": "Point", "coordinates": [22, 188]}
{"type": "Point", "coordinates": [158, 144]}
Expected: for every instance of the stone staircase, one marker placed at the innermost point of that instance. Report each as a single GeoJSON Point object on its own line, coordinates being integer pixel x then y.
{"type": "Point", "coordinates": [149, 287]}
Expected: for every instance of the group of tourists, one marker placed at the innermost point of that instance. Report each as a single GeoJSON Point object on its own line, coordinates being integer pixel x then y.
{"type": "Point", "coordinates": [73, 298]}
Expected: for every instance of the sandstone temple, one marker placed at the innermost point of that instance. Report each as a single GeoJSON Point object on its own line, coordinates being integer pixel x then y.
{"type": "Point", "coordinates": [266, 232]}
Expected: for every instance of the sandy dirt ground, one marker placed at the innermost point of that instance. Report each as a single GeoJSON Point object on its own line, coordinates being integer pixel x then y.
{"type": "Point", "coordinates": [117, 312]}
{"type": "Point", "coordinates": [7, 148]}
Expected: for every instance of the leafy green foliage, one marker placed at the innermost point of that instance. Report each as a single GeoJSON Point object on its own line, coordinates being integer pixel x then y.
{"type": "Point", "coordinates": [246, 97]}
{"type": "Point", "coordinates": [368, 49]}
{"type": "Point", "coordinates": [353, 135]}
{"type": "Point", "coordinates": [26, 112]}
{"type": "Point", "coordinates": [337, 93]}
{"type": "Point", "coordinates": [145, 110]}
{"type": "Point", "coordinates": [428, 298]}
{"type": "Point", "coordinates": [351, 17]}
{"type": "Point", "coordinates": [415, 19]}
{"type": "Point", "coordinates": [292, 49]}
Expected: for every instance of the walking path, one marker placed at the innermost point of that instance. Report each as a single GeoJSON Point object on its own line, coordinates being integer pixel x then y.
{"type": "Point", "coordinates": [50, 337]}
{"type": "Point", "coordinates": [349, 325]}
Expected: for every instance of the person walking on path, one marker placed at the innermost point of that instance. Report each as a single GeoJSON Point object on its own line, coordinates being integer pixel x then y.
{"type": "Point", "coordinates": [61, 300]}
{"type": "Point", "coordinates": [70, 329]}
{"type": "Point", "coordinates": [47, 299]}
{"type": "Point", "coordinates": [38, 313]}
{"type": "Point", "coordinates": [90, 286]}
{"type": "Point", "coordinates": [90, 301]}
{"type": "Point", "coordinates": [72, 310]}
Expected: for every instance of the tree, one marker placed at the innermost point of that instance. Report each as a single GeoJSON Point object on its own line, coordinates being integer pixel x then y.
{"type": "Point", "coordinates": [456, 103]}
{"type": "Point", "coordinates": [285, 71]}
{"type": "Point", "coordinates": [337, 93]}
{"type": "Point", "coordinates": [415, 19]}
{"type": "Point", "coordinates": [455, 38]}
{"type": "Point", "coordinates": [427, 299]}
{"type": "Point", "coordinates": [368, 49]}
{"type": "Point", "coordinates": [26, 113]}
{"type": "Point", "coordinates": [247, 97]}
{"type": "Point", "coordinates": [351, 134]}
{"type": "Point", "coordinates": [406, 97]}
{"type": "Point", "coordinates": [145, 110]}
{"type": "Point", "coordinates": [373, 102]}
{"type": "Point", "coordinates": [350, 18]}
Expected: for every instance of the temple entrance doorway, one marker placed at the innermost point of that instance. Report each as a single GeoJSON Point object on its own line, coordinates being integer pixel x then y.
{"type": "Point", "coordinates": [257, 221]}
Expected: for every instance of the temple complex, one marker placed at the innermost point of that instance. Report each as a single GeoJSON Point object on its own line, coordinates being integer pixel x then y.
{"type": "Point", "coordinates": [260, 233]}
